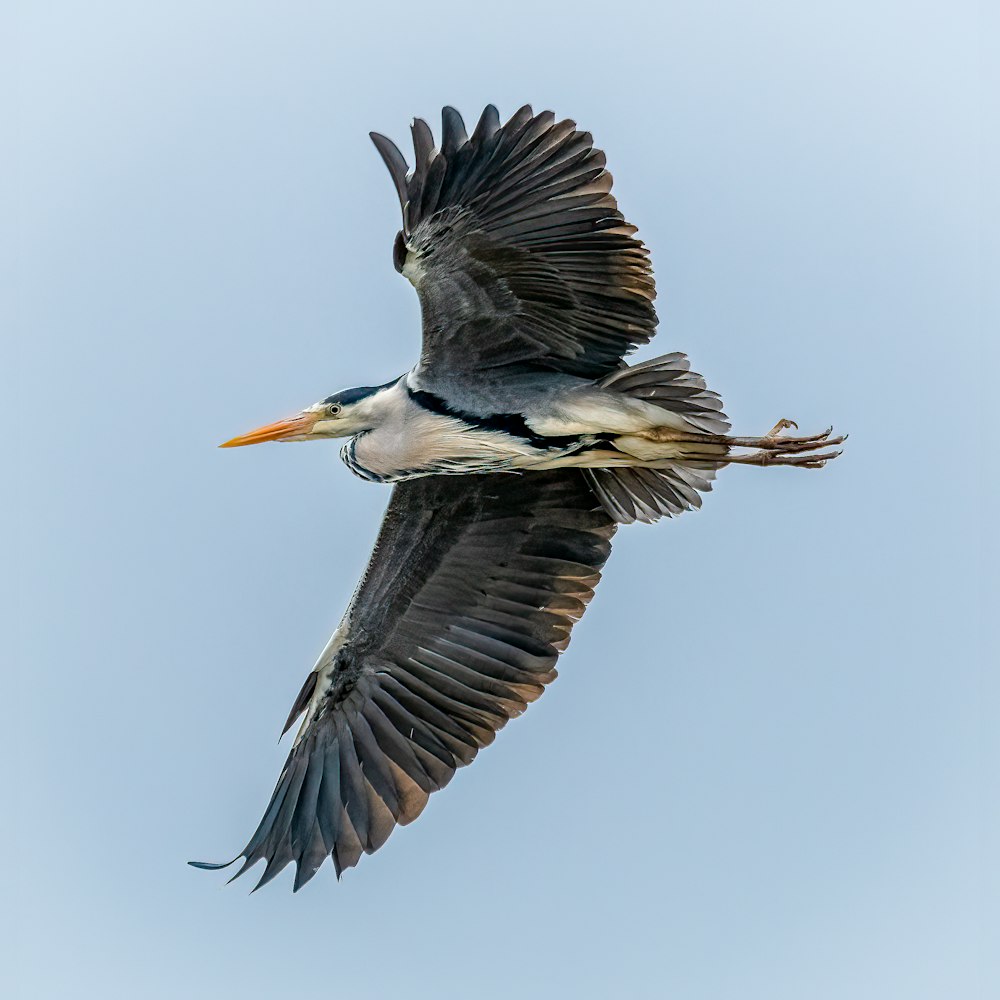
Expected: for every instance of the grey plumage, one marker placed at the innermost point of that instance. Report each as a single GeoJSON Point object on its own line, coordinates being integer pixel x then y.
{"type": "Point", "coordinates": [668, 382]}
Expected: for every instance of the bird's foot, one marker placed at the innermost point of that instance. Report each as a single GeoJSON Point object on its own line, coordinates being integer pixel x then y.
{"type": "Point", "coordinates": [775, 441]}
{"type": "Point", "coordinates": [799, 459]}
{"type": "Point", "coordinates": [775, 448]}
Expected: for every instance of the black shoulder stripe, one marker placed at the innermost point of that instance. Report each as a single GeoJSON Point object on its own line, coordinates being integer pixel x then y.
{"type": "Point", "coordinates": [513, 424]}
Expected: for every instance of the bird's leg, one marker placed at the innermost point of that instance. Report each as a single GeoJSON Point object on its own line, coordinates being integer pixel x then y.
{"type": "Point", "coordinates": [774, 440]}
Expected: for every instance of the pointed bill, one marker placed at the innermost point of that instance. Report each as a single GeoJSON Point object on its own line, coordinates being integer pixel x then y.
{"type": "Point", "coordinates": [293, 429]}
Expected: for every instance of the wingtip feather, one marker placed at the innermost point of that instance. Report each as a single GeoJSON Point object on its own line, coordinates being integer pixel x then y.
{"type": "Point", "coordinates": [210, 866]}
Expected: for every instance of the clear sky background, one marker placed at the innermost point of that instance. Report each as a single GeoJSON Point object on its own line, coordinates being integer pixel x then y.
{"type": "Point", "coordinates": [768, 768]}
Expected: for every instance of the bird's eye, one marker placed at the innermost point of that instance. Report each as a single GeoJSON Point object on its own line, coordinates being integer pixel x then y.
{"type": "Point", "coordinates": [333, 409]}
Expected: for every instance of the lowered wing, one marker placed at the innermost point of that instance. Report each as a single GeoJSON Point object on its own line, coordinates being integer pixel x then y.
{"type": "Point", "coordinates": [469, 598]}
{"type": "Point", "coordinates": [517, 249]}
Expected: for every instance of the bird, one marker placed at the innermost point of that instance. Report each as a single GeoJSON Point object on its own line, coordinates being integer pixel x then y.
{"type": "Point", "coordinates": [516, 445]}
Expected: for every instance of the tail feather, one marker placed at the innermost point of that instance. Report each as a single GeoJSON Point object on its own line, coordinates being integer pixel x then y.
{"type": "Point", "coordinates": [668, 382]}
{"type": "Point", "coordinates": [638, 494]}
{"type": "Point", "coordinates": [647, 494]}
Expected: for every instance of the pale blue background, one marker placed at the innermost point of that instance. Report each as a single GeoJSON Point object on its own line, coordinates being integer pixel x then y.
{"type": "Point", "coordinates": [768, 767]}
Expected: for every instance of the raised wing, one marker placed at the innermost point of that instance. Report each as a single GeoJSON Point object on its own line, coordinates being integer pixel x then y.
{"type": "Point", "coordinates": [469, 598]}
{"type": "Point", "coordinates": [517, 249]}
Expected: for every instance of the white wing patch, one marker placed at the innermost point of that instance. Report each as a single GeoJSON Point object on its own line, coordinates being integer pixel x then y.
{"type": "Point", "coordinates": [324, 675]}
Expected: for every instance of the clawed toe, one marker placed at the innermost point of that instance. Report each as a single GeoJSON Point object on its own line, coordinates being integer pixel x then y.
{"type": "Point", "coordinates": [782, 425]}
{"type": "Point", "coordinates": [791, 445]}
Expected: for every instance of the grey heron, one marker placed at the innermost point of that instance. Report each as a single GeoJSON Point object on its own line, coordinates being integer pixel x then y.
{"type": "Point", "coordinates": [518, 443]}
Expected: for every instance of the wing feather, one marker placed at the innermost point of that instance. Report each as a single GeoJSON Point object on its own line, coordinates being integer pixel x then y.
{"type": "Point", "coordinates": [470, 596]}
{"type": "Point", "coordinates": [517, 249]}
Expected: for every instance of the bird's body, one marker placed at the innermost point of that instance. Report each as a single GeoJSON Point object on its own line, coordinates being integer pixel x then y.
{"type": "Point", "coordinates": [518, 442]}
{"type": "Point", "coordinates": [541, 421]}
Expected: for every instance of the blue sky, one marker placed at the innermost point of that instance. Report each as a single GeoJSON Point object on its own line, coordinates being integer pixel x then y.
{"type": "Point", "coordinates": [768, 767]}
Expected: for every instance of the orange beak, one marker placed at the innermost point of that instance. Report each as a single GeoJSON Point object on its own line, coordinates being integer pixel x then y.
{"type": "Point", "coordinates": [293, 429]}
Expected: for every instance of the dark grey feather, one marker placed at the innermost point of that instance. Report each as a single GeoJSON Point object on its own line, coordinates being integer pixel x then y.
{"type": "Point", "coordinates": [649, 494]}
{"type": "Point", "coordinates": [394, 161]}
{"type": "Point", "coordinates": [453, 134]}
{"type": "Point", "coordinates": [521, 255]}
{"type": "Point", "coordinates": [474, 587]}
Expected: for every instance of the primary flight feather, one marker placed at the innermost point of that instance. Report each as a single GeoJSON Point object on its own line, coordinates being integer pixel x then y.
{"type": "Point", "coordinates": [518, 442]}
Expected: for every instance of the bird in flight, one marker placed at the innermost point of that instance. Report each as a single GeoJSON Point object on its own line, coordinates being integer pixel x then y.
{"type": "Point", "coordinates": [518, 443]}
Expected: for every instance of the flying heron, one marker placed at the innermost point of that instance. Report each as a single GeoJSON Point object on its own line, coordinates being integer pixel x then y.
{"type": "Point", "coordinates": [518, 442]}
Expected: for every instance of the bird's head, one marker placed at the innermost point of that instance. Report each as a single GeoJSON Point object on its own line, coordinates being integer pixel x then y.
{"type": "Point", "coordinates": [344, 414]}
